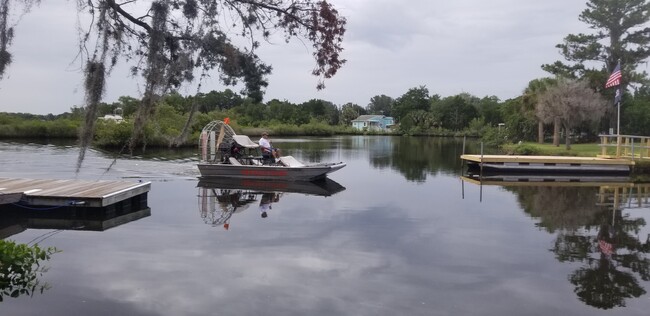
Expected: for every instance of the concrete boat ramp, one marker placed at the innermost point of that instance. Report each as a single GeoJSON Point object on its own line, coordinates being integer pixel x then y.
{"type": "Point", "coordinates": [71, 193]}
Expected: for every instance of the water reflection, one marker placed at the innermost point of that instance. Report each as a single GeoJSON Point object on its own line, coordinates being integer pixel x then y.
{"type": "Point", "coordinates": [416, 158]}
{"type": "Point", "coordinates": [219, 199]}
{"type": "Point", "coordinates": [21, 265]}
{"type": "Point", "coordinates": [15, 219]}
{"type": "Point", "coordinates": [593, 226]}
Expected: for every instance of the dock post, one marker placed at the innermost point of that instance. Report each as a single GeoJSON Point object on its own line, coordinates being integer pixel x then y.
{"type": "Point", "coordinates": [464, 138]}
{"type": "Point", "coordinates": [481, 163]}
{"type": "Point", "coordinates": [462, 161]}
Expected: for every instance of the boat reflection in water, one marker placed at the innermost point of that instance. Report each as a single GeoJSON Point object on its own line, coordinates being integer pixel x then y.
{"type": "Point", "coordinates": [219, 199]}
{"type": "Point", "coordinates": [597, 221]}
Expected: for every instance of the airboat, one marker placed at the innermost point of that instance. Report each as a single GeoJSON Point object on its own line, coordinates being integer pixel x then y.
{"type": "Point", "coordinates": [224, 154]}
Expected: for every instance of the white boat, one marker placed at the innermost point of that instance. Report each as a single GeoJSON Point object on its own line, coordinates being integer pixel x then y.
{"type": "Point", "coordinates": [227, 155]}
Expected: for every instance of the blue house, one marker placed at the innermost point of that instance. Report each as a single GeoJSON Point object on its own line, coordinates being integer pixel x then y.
{"type": "Point", "coordinates": [373, 122]}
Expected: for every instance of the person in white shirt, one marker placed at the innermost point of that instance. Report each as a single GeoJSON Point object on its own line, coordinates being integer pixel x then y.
{"type": "Point", "coordinates": [267, 149]}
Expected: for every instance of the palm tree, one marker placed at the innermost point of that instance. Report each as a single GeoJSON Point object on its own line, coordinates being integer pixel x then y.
{"type": "Point", "coordinates": [530, 98]}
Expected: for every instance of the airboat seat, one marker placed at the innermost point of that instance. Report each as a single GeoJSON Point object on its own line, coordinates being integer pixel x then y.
{"type": "Point", "coordinates": [289, 161]}
{"type": "Point", "coordinates": [244, 141]}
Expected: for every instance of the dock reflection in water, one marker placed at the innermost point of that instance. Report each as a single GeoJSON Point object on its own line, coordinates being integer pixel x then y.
{"type": "Point", "coordinates": [15, 218]}
{"type": "Point", "coordinates": [219, 199]}
{"type": "Point", "coordinates": [22, 265]}
{"type": "Point", "coordinates": [598, 222]}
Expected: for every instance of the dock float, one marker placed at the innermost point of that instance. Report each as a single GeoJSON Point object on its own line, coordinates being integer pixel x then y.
{"type": "Point", "coordinates": [79, 193]}
{"type": "Point", "coordinates": [543, 164]}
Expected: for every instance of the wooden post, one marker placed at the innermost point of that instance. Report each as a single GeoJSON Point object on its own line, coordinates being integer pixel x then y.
{"type": "Point", "coordinates": [481, 164]}
{"type": "Point", "coordinates": [603, 142]}
{"type": "Point", "coordinates": [462, 161]}
{"type": "Point", "coordinates": [618, 146]}
{"type": "Point", "coordinates": [204, 146]}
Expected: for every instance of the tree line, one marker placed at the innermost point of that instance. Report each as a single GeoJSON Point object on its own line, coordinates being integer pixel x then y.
{"type": "Point", "coordinates": [572, 101]}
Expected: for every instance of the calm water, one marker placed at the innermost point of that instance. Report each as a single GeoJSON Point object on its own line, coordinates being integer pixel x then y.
{"type": "Point", "coordinates": [402, 235]}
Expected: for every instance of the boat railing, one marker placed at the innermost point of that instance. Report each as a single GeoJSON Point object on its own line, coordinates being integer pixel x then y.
{"type": "Point", "coordinates": [624, 146]}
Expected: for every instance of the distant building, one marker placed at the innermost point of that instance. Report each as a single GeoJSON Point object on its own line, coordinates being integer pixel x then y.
{"type": "Point", "coordinates": [373, 122]}
{"type": "Point", "coordinates": [116, 116]}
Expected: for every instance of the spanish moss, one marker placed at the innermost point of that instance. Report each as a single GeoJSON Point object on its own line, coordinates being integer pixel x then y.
{"type": "Point", "coordinates": [94, 85]}
{"type": "Point", "coordinates": [7, 31]}
{"type": "Point", "coordinates": [155, 74]}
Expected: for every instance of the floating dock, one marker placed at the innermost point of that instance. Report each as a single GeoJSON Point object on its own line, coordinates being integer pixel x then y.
{"type": "Point", "coordinates": [77, 193]}
{"type": "Point", "coordinates": [69, 204]}
{"type": "Point", "coordinates": [544, 164]}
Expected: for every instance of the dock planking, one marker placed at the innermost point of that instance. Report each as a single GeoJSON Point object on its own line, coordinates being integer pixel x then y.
{"type": "Point", "coordinates": [49, 192]}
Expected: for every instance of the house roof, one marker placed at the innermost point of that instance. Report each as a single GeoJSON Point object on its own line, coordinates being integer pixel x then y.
{"type": "Point", "coordinates": [362, 118]}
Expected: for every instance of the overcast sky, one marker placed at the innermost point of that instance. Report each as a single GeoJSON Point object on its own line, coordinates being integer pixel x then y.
{"type": "Point", "coordinates": [480, 47]}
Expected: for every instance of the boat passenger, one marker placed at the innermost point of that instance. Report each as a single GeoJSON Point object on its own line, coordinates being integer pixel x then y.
{"type": "Point", "coordinates": [267, 150]}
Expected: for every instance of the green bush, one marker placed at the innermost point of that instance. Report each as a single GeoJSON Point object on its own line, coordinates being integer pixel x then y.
{"type": "Point", "coordinates": [112, 134]}
{"type": "Point", "coordinates": [314, 128]}
{"type": "Point", "coordinates": [20, 267]}
{"type": "Point", "coordinates": [493, 136]}
{"type": "Point", "coordinates": [526, 149]}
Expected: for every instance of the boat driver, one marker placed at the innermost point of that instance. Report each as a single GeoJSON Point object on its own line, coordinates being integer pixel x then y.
{"type": "Point", "coordinates": [267, 149]}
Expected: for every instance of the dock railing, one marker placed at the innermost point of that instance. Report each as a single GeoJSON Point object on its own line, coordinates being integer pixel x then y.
{"type": "Point", "coordinates": [624, 146]}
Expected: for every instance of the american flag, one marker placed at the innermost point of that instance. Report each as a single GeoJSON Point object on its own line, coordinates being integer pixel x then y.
{"type": "Point", "coordinates": [615, 78]}
{"type": "Point", "coordinates": [605, 247]}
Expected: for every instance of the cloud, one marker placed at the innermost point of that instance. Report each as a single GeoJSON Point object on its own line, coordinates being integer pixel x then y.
{"type": "Point", "coordinates": [480, 47]}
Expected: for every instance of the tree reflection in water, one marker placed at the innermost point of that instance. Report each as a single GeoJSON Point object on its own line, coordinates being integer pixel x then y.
{"type": "Point", "coordinates": [596, 234]}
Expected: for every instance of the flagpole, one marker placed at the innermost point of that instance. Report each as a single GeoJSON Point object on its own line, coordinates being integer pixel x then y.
{"type": "Point", "coordinates": [618, 118]}
{"type": "Point", "coordinates": [615, 80]}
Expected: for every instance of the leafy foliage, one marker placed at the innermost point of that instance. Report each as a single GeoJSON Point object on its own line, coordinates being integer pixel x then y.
{"type": "Point", "coordinates": [34, 126]}
{"type": "Point", "coordinates": [571, 102]}
{"type": "Point", "coordinates": [621, 34]}
{"type": "Point", "coordinates": [381, 104]}
{"type": "Point", "coordinates": [20, 267]}
{"type": "Point", "coordinates": [414, 99]}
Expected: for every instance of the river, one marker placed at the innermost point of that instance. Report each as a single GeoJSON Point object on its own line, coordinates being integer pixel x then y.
{"type": "Point", "coordinates": [398, 232]}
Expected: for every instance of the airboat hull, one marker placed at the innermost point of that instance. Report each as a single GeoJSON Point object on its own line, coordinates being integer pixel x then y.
{"type": "Point", "coordinates": [304, 173]}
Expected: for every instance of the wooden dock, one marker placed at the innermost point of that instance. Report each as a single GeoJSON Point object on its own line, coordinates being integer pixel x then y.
{"type": "Point", "coordinates": [80, 193]}
{"type": "Point", "coordinates": [512, 163]}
